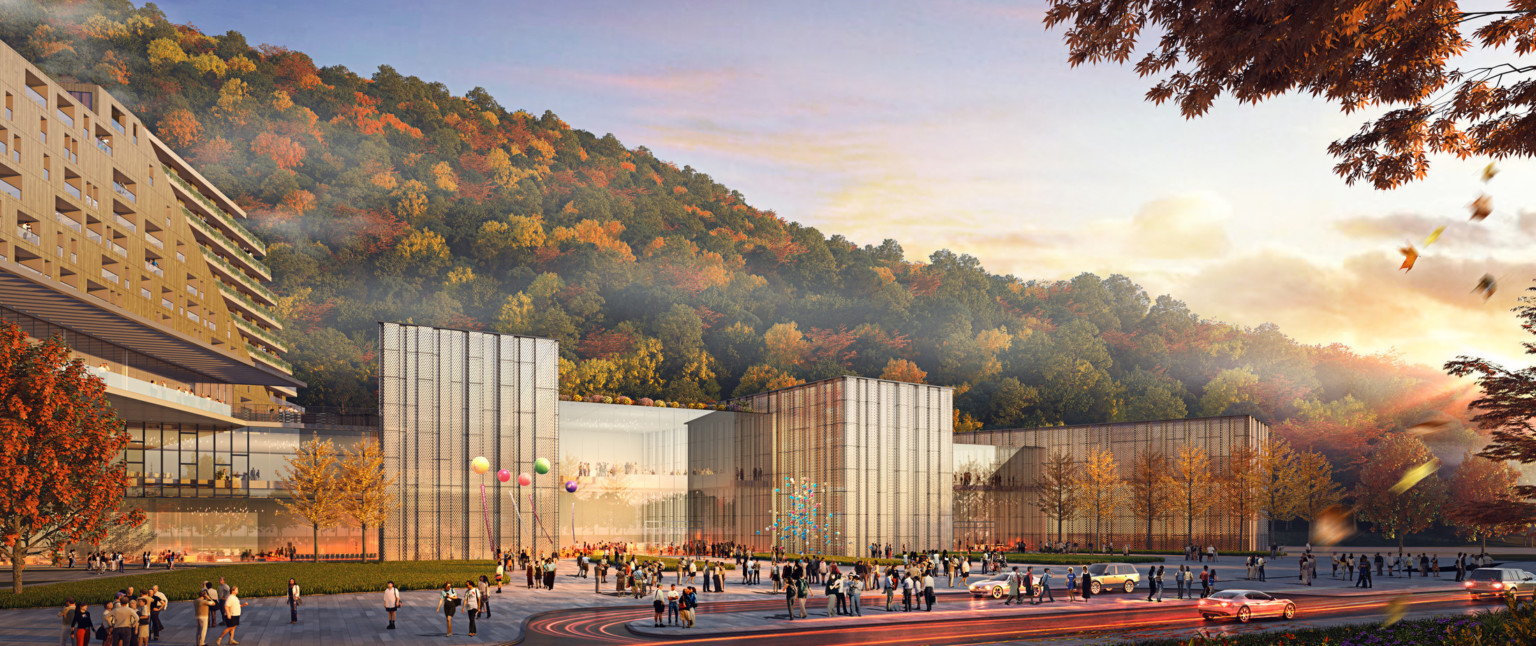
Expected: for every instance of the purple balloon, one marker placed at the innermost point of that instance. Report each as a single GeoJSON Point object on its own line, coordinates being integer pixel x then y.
{"type": "Point", "coordinates": [570, 486]}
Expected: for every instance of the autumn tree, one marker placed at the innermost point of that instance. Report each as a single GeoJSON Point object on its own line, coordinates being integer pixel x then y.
{"type": "Point", "coordinates": [903, 370]}
{"type": "Point", "coordinates": [1056, 489]}
{"type": "Point", "coordinates": [367, 495]}
{"type": "Point", "coordinates": [1153, 492]}
{"type": "Point", "coordinates": [1239, 484]}
{"type": "Point", "coordinates": [1192, 486]}
{"type": "Point", "coordinates": [1507, 406]}
{"type": "Point", "coordinates": [1100, 490]}
{"type": "Point", "coordinates": [314, 490]}
{"type": "Point", "coordinates": [1276, 482]}
{"type": "Point", "coordinates": [1398, 513]}
{"type": "Point", "coordinates": [1356, 53]}
{"type": "Point", "coordinates": [61, 481]}
{"type": "Point", "coordinates": [1316, 489]}
{"type": "Point", "coordinates": [1480, 483]}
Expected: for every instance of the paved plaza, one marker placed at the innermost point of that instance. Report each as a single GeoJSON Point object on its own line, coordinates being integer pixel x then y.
{"type": "Point", "coordinates": [359, 619]}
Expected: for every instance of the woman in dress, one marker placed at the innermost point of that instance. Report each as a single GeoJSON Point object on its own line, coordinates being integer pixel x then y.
{"type": "Point", "coordinates": [448, 601]}
{"type": "Point", "coordinates": [1071, 585]}
{"type": "Point", "coordinates": [293, 601]}
{"type": "Point", "coordinates": [1087, 585]}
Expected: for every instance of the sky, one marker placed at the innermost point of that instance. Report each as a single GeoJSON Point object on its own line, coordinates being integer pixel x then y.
{"type": "Point", "coordinates": [960, 125]}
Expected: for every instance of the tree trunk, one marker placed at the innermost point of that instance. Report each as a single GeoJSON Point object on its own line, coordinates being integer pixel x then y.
{"type": "Point", "coordinates": [17, 565]}
{"type": "Point", "coordinates": [317, 541]}
{"type": "Point", "coordinates": [362, 557]}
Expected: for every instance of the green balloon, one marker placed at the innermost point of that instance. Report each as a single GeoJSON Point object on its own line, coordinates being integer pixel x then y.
{"type": "Point", "coordinates": [541, 465]}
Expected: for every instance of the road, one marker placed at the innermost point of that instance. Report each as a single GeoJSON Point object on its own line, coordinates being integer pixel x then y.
{"type": "Point", "coordinates": [986, 625]}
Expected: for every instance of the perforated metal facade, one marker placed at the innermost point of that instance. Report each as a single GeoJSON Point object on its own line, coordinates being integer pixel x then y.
{"type": "Point", "coordinates": [448, 396]}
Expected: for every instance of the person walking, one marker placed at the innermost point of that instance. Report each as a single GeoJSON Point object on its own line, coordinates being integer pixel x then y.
{"type": "Point", "coordinates": [391, 603]}
{"type": "Point", "coordinates": [659, 604]}
{"type": "Point", "coordinates": [1013, 587]}
{"type": "Point", "coordinates": [124, 622]}
{"type": "Point", "coordinates": [673, 597]}
{"type": "Point", "coordinates": [1159, 581]}
{"type": "Point", "coordinates": [890, 590]}
{"type": "Point", "coordinates": [223, 594]}
{"type": "Point", "coordinates": [67, 622]}
{"type": "Point", "coordinates": [1071, 585]}
{"type": "Point", "coordinates": [1151, 583]}
{"type": "Point", "coordinates": [855, 588]}
{"type": "Point", "coordinates": [447, 602]}
{"type": "Point", "coordinates": [832, 590]}
{"type": "Point", "coordinates": [484, 587]}
{"type": "Point", "coordinates": [1045, 585]}
{"type": "Point", "coordinates": [802, 593]}
{"type": "Point", "coordinates": [1087, 583]}
{"type": "Point", "coordinates": [928, 594]}
{"type": "Point", "coordinates": [232, 607]}
{"type": "Point", "coordinates": [471, 604]}
{"type": "Point", "coordinates": [501, 573]}
{"type": "Point", "coordinates": [203, 606]}
{"type": "Point", "coordinates": [293, 601]}
{"type": "Point", "coordinates": [158, 602]}
{"type": "Point", "coordinates": [83, 626]}
{"type": "Point", "coordinates": [1205, 582]}
{"type": "Point", "coordinates": [790, 594]}
{"type": "Point", "coordinates": [1261, 569]}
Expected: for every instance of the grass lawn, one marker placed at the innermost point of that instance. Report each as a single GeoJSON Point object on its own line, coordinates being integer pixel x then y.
{"type": "Point", "coordinates": [260, 580]}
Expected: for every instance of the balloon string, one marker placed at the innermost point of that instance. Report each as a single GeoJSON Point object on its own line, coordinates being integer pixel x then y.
{"type": "Point", "coordinates": [535, 510]}
{"type": "Point", "coordinates": [485, 512]}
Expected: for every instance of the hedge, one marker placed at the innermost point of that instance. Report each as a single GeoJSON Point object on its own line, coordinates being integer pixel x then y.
{"type": "Point", "coordinates": [1012, 557]}
{"type": "Point", "coordinates": [1508, 626]}
{"type": "Point", "coordinates": [1219, 553]}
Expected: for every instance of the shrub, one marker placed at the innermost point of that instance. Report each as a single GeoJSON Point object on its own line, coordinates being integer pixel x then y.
{"type": "Point", "coordinates": [625, 400]}
{"type": "Point", "coordinates": [607, 399]}
{"type": "Point", "coordinates": [646, 401]}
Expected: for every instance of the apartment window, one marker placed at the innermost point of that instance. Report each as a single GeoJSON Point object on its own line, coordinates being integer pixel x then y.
{"type": "Point", "coordinates": [16, 148]}
{"type": "Point", "coordinates": [47, 167]}
{"type": "Point", "coordinates": [10, 182]}
{"type": "Point", "coordinates": [10, 104]}
{"type": "Point", "coordinates": [32, 88]}
{"type": "Point", "coordinates": [63, 115]}
{"type": "Point", "coordinates": [42, 130]}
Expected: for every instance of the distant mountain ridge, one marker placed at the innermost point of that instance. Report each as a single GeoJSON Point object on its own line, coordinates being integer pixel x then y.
{"type": "Point", "coordinates": [388, 198]}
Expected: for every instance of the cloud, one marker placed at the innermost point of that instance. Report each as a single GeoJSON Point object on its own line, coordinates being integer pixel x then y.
{"type": "Point", "coordinates": [1179, 227]}
{"type": "Point", "coordinates": [1460, 233]}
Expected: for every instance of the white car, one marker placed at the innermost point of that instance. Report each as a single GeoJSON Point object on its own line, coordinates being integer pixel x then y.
{"type": "Point", "coordinates": [995, 586]}
{"type": "Point", "coordinates": [1244, 605]}
{"type": "Point", "coordinates": [1495, 581]}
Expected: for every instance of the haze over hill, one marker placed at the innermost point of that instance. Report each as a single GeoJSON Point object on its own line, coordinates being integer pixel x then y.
{"type": "Point", "coordinates": [385, 197]}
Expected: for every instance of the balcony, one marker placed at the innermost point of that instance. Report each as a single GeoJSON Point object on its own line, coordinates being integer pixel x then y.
{"type": "Point", "coordinates": [244, 303]}
{"type": "Point", "coordinates": [125, 223]}
{"type": "Point", "coordinates": [103, 146]}
{"type": "Point", "coordinates": [153, 268]}
{"type": "Point", "coordinates": [217, 236]}
{"type": "Point", "coordinates": [270, 359]}
{"type": "Point", "coordinates": [123, 191]}
{"type": "Point", "coordinates": [71, 190]}
{"type": "Point", "coordinates": [154, 240]}
{"type": "Point", "coordinates": [10, 190]}
{"type": "Point", "coordinates": [124, 383]}
{"type": "Point", "coordinates": [67, 221]}
{"type": "Point", "coordinates": [28, 234]}
{"type": "Point", "coordinates": [117, 248]}
{"type": "Point", "coordinates": [225, 219]}
{"type": "Point", "coordinates": [115, 125]}
{"type": "Point", "coordinates": [109, 275]}
{"type": "Point", "coordinates": [265, 336]}
{"type": "Point", "coordinates": [93, 236]}
{"type": "Point", "coordinates": [64, 117]}
{"type": "Point", "coordinates": [35, 96]}
{"type": "Point", "coordinates": [223, 266]}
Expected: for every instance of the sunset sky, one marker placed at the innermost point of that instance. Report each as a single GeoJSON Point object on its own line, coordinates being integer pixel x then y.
{"type": "Point", "coordinates": [959, 125]}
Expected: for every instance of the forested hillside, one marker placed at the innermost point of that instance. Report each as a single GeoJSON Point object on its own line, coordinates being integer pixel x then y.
{"type": "Point", "coordinates": [386, 197]}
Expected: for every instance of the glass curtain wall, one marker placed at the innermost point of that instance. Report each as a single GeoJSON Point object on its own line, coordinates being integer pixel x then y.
{"type": "Point", "coordinates": [448, 396]}
{"type": "Point", "coordinates": [730, 483]}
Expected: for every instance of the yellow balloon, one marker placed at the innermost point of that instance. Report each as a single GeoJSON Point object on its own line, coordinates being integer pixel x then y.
{"type": "Point", "coordinates": [480, 465]}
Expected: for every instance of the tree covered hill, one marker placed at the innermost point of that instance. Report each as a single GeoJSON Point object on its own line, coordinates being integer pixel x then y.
{"type": "Point", "coordinates": [386, 197]}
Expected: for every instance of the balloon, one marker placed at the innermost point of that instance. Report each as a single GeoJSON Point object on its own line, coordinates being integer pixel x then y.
{"type": "Point", "coordinates": [504, 475]}
{"type": "Point", "coordinates": [524, 479]}
{"type": "Point", "coordinates": [541, 465]}
{"type": "Point", "coordinates": [570, 486]}
{"type": "Point", "coordinates": [480, 465]}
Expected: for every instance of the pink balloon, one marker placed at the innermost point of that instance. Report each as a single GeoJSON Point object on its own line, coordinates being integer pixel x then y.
{"type": "Point", "coordinates": [524, 479]}
{"type": "Point", "coordinates": [504, 475]}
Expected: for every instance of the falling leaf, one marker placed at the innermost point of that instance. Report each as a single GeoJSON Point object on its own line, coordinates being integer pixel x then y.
{"type": "Point", "coordinates": [1487, 286]}
{"type": "Point", "coordinates": [1482, 206]}
{"type": "Point", "coordinates": [1414, 475]}
{"type": "Point", "coordinates": [1410, 256]}
{"type": "Point", "coordinates": [1489, 171]}
{"type": "Point", "coordinates": [1396, 609]}
{"type": "Point", "coordinates": [1433, 236]}
{"type": "Point", "coordinates": [1335, 524]}
{"type": "Point", "coordinates": [1431, 426]}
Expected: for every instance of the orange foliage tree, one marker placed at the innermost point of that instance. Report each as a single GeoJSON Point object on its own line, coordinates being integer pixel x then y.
{"type": "Point", "coordinates": [903, 370]}
{"type": "Point", "coordinates": [60, 478]}
{"type": "Point", "coordinates": [284, 152]}
{"type": "Point", "coordinates": [180, 128]}
{"type": "Point", "coordinates": [1480, 483]}
{"type": "Point", "coordinates": [1397, 514]}
{"type": "Point", "coordinates": [1357, 53]}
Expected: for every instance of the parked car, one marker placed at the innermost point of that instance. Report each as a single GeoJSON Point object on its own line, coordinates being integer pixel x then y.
{"type": "Point", "coordinates": [995, 586]}
{"type": "Point", "coordinates": [1113, 576]}
{"type": "Point", "coordinates": [1244, 605]}
{"type": "Point", "coordinates": [1495, 581]}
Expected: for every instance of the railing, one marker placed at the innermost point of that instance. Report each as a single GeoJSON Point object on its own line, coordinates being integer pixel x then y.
{"type": "Point", "coordinates": [118, 249]}
{"type": "Point", "coordinates": [264, 335]}
{"type": "Point", "coordinates": [10, 190]}
{"type": "Point", "coordinates": [103, 146]}
{"type": "Point", "coordinates": [42, 135]}
{"type": "Point", "coordinates": [257, 352]}
{"type": "Point", "coordinates": [141, 387]}
{"type": "Point", "coordinates": [240, 276]}
{"type": "Point", "coordinates": [67, 221]}
{"type": "Point", "coordinates": [154, 269]}
{"type": "Point", "coordinates": [93, 236]}
{"type": "Point", "coordinates": [71, 190]}
{"type": "Point", "coordinates": [224, 218]}
{"type": "Point", "coordinates": [193, 290]}
{"type": "Point", "coordinates": [68, 154]}
{"type": "Point", "coordinates": [144, 291]}
{"type": "Point", "coordinates": [245, 302]}
{"type": "Point", "coordinates": [123, 191]}
{"type": "Point", "coordinates": [64, 116]}
{"type": "Point", "coordinates": [125, 223]}
{"type": "Point", "coordinates": [167, 304]}
{"type": "Point", "coordinates": [154, 240]}
{"type": "Point", "coordinates": [115, 125]}
{"type": "Point", "coordinates": [195, 318]}
{"type": "Point", "coordinates": [312, 416]}
{"type": "Point", "coordinates": [35, 96]}
{"type": "Point", "coordinates": [229, 245]}
{"type": "Point", "coordinates": [28, 235]}
{"type": "Point", "coordinates": [109, 275]}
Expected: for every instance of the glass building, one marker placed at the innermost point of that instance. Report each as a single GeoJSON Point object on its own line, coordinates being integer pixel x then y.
{"type": "Point", "coordinates": [995, 473]}
{"type": "Point", "coordinates": [446, 397]}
